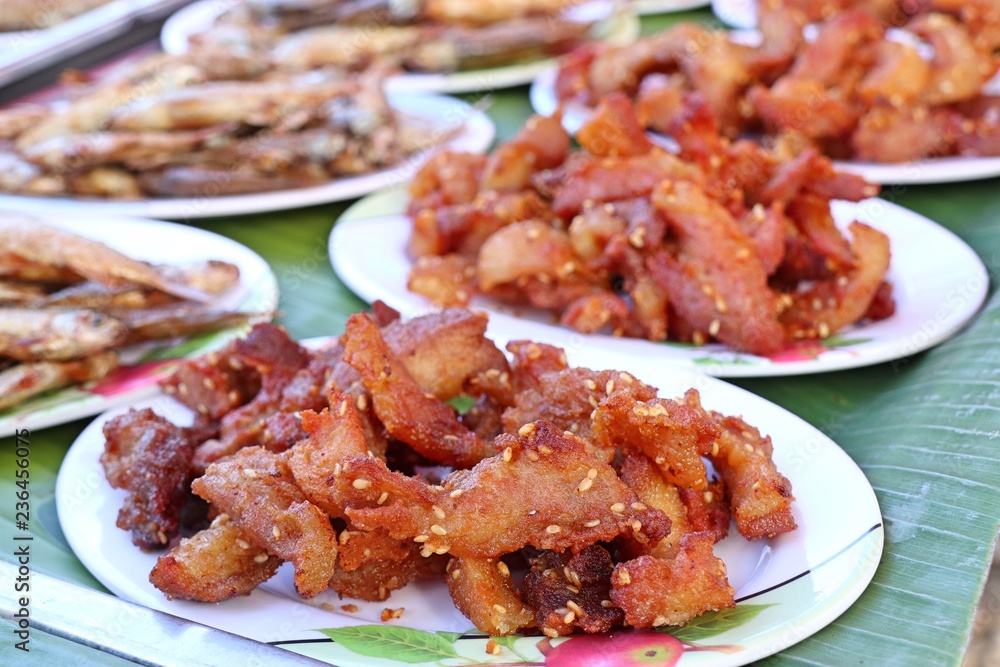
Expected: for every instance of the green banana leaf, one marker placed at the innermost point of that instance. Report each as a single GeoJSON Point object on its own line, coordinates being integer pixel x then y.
{"type": "Point", "coordinates": [925, 430]}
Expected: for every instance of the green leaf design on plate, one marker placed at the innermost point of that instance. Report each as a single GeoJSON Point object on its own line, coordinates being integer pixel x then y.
{"type": "Point", "coordinates": [715, 623]}
{"type": "Point", "coordinates": [394, 643]}
{"type": "Point", "coordinates": [837, 340]}
{"type": "Point", "coordinates": [451, 637]}
{"type": "Point", "coordinates": [712, 361]}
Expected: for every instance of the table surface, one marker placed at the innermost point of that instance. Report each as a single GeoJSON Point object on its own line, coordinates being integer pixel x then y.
{"type": "Point", "coordinates": [925, 430]}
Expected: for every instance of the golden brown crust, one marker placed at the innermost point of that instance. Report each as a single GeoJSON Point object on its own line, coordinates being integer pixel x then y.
{"type": "Point", "coordinates": [215, 564]}
{"type": "Point", "coordinates": [481, 589]}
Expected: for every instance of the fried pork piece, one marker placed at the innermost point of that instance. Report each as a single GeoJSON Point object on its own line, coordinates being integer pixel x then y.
{"type": "Point", "coordinates": [572, 591]}
{"type": "Point", "coordinates": [567, 398]}
{"type": "Point", "coordinates": [708, 511]}
{"type": "Point", "coordinates": [717, 283]}
{"type": "Point", "coordinates": [530, 361]}
{"type": "Point", "coordinates": [655, 591]}
{"type": "Point", "coordinates": [370, 565]}
{"type": "Point", "coordinates": [150, 458]}
{"type": "Point", "coordinates": [612, 180]}
{"type": "Point", "coordinates": [644, 477]}
{"type": "Point", "coordinates": [430, 427]}
{"type": "Point", "coordinates": [482, 590]}
{"type": "Point", "coordinates": [447, 179]}
{"type": "Point", "coordinates": [448, 280]}
{"type": "Point", "coordinates": [216, 564]}
{"type": "Point", "coordinates": [671, 433]}
{"type": "Point", "coordinates": [760, 496]}
{"type": "Point", "coordinates": [256, 488]}
{"type": "Point", "coordinates": [613, 130]}
{"type": "Point", "coordinates": [213, 384]}
{"type": "Point", "coordinates": [443, 351]}
{"type": "Point", "coordinates": [465, 228]}
{"type": "Point", "coordinates": [496, 507]}
{"type": "Point", "coordinates": [829, 306]}
{"type": "Point", "coordinates": [334, 435]}
{"type": "Point", "coordinates": [541, 144]}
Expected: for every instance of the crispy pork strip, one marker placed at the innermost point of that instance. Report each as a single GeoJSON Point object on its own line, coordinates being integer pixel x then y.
{"type": "Point", "coordinates": [572, 591]}
{"type": "Point", "coordinates": [654, 591]}
{"type": "Point", "coordinates": [717, 282]}
{"type": "Point", "coordinates": [150, 458]}
{"type": "Point", "coordinates": [760, 496]}
{"type": "Point", "coordinates": [567, 398]}
{"type": "Point", "coordinates": [334, 436]}
{"type": "Point", "coordinates": [496, 507]}
{"type": "Point", "coordinates": [256, 488]}
{"type": "Point", "coordinates": [427, 425]}
{"type": "Point", "coordinates": [441, 352]}
{"type": "Point", "coordinates": [215, 564]}
{"type": "Point", "coordinates": [482, 590]}
{"type": "Point", "coordinates": [370, 565]}
{"type": "Point", "coordinates": [644, 477]}
{"type": "Point", "coordinates": [674, 435]}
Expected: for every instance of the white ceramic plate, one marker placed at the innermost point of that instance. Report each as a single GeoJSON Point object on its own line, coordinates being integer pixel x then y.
{"type": "Point", "coordinates": [788, 588]}
{"type": "Point", "coordinates": [932, 170]}
{"type": "Point", "coordinates": [474, 132]}
{"type": "Point", "coordinates": [621, 27]}
{"type": "Point", "coordinates": [143, 366]}
{"type": "Point", "coordinates": [939, 284]}
{"type": "Point", "coordinates": [27, 51]}
{"type": "Point", "coordinates": [645, 7]}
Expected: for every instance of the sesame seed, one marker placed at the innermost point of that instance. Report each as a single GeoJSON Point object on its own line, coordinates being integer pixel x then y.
{"type": "Point", "coordinates": [715, 448]}
{"type": "Point", "coordinates": [550, 632]}
{"type": "Point", "coordinates": [823, 329]}
{"type": "Point", "coordinates": [618, 508]}
{"type": "Point", "coordinates": [384, 497]}
{"type": "Point", "coordinates": [503, 569]}
{"type": "Point", "coordinates": [250, 472]}
{"type": "Point", "coordinates": [526, 431]}
{"type": "Point", "coordinates": [714, 327]}
{"type": "Point", "coordinates": [182, 390]}
{"type": "Point", "coordinates": [349, 608]}
{"type": "Point", "coordinates": [593, 401]}
{"type": "Point", "coordinates": [638, 507]}
{"type": "Point", "coordinates": [708, 496]}
{"type": "Point", "coordinates": [443, 549]}
{"type": "Point", "coordinates": [456, 573]}
{"type": "Point", "coordinates": [637, 526]}
{"type": "Point", "coordinates": [572, 589]}
{"type": "Point", "coordinates": [584, 485]}
{"type": "Point", "coordinates": [361, 484]}
{"type": "Point", "coordinates": [720, 305]}
{"type": "Point", "coordinates": [609, 387]}
{"type": "Point", "coordinates": [660, 460]}
{"type": "Point", "coordinates": [748, 447]}
{"type": "Point", "coordinates": [593, 524]}
{"type": "Point", "coordinates": [508, 454]}
{"type": "Point", "coordinates": [545, 450]}
{"type": "Point", "coordinates": [575, 607]}
{"type": "Point", "coordinates": [242, 544]}
{"type": "Point", "coordinates": [607, 604]}
{"type": "Point", "coordinates": [624, 578]}
{"type": "Point", "coordinates": [260, 558]}
{"type": "Point", "coordinates": [419, 539]}
{"type": "Point", "coordinates": [438, 512]}
{"type": "Point", "coordinates": [456, 493]}
{"type": "Point", "coordinates": [361, 402]}
{"type": "Point", "coordinates": [591, 385]}
{"type": "Point", "coordinates": [209, 384]}
{"type": "Point", "coordinates": [344, 537]}
{"type": "Point", "coordinates": [438, 530]}
{"type": "Point", "coordinates": [569, 617]}
{"type": "Point", "coordinates": [553, 529]}
{"type": "Point", "coordinates": [500, 609]}
{"type": "Point", "coordinates": [276, 532]}
{"type": "Point", "coordinates": [659, 620]}
{"type": "Point", "coordinates": [492, 647]}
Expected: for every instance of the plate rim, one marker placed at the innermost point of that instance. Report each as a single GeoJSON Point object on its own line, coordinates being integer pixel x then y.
{"type": "Point", "coordinates": [81, 403]}
{"type": "Point", "coordinates": [816, 614]}
{"type": "Point", "coordinates": [476, 135]}
{"type": "Point", "coordinates": [509, 327]}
